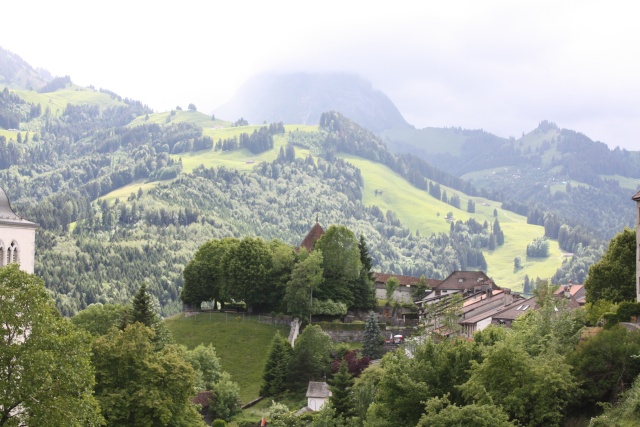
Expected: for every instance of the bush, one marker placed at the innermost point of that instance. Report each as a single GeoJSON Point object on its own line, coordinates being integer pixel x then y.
{"type": "Point", "coordinates": [627, 309]}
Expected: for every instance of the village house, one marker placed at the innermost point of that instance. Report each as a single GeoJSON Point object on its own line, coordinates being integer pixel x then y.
{"type": "Point", "coordinates": [574, 295]}
{"type": "Point", "coordinates": [407, 285]}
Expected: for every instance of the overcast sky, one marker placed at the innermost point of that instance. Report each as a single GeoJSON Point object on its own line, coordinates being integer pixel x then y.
{"type": "Point", "coordinates": [502, 66]}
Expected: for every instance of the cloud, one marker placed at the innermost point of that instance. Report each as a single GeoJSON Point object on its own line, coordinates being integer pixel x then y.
{"type": "Point", "coordinates": [498, 65]}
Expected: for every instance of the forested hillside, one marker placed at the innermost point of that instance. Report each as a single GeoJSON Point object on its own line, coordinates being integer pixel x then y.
{"type": "Point", "coordinates": [96, 247]}
{"type": "Point", "coordinates": [551, 169]}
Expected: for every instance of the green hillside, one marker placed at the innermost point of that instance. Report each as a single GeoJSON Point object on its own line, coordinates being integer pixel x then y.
{"type": "Point", "coordinates": [421, 212]}
{"type": "Point", "coordinates": [241, 343]}
{"type": "Point", "coordinates": [57, 101]}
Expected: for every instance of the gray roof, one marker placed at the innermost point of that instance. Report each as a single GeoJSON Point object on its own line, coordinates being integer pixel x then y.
{"type": "Point", "coordinates": [318, 389]}
{"type": "Point", "coordinates": [7, 216]}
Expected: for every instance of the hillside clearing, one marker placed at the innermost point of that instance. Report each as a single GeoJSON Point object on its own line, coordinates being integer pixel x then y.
{"type": "Point", "coordinates": [241, 343]}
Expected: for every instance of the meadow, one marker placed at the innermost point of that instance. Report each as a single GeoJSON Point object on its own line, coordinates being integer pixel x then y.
{"type": "Point", "coordinates": [241, 343]}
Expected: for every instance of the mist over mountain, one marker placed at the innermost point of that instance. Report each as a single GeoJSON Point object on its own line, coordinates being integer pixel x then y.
{"type": "Point", "coordinates": [18, 74]}
{"type": "Point", "coordinates": [301, 98]}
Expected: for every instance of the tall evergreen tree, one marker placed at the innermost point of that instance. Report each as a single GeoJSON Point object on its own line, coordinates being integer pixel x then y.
{"type": "Point", "coordinates": [372, 345]}
{"type": "Point", "coordinates": [142, 308]}
{"type": "Point", "coordinates": [363, 287]}
{"type": "Point", "coordinates": [341, 395]}
{"type": "Point", "coordinates": [274, 378]}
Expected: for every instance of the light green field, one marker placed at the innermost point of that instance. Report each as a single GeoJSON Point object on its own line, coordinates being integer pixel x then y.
{"type": "Point", "coordinates": [9, 134]}
{"type": "Point", "coordinates": [123, 192]}
{"type": "Point", "coordinates": [242, 160]}
{"type": "Point", "coordinates": [623, 181]}
{"type": "Point", "coordinates": [418, 210]}
{"type": "Point", "coordinates": [194, 117]}
{"type": "Point", "coordinates": [57, 101]}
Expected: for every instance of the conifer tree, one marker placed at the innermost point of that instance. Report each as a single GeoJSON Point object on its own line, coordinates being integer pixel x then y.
{"type": "Point", "coordinates": [341, 396]}
{"type": "Point", "coordinates": [372, 346]}
{"type": "Point", "coordinates": [142, 309]}
{"type": "Point", "coordinates": [274, 378]}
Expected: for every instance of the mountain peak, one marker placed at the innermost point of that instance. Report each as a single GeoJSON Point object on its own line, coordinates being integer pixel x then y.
{"type": "Point", "coordinates": [300, 98]}
{"type": "Point", "coordinates": [16, 73]}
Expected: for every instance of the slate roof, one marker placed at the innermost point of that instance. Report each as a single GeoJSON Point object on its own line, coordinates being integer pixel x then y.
{"type": "Point", "coordinates": [636, 197]}
{"type": "Point", "coordinates": [489, 313]}
{"type": "Point", "coordinates": [318, 389]}
{"type": "Point", "coordinates": [7, 216]}
{"type": "Point", "coordinates": [515, 310]}
{"type": "Point", "coordinates": [314, 234]}
{"type": "Point", "coordinates": [459, 280]}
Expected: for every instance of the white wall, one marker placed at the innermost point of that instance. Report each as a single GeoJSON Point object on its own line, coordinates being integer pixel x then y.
{"type": "Point", "coordinates": [316, 403]}
{"type": "Point", "coordinates": [25, 236]}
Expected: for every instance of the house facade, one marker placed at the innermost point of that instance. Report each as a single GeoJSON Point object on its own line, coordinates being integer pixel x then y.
{"type": "Point", "coordinates": [17, 237]}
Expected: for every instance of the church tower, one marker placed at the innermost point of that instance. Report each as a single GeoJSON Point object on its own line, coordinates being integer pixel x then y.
{"type": "Point", "coordinates": [636, 198]}
{"type": "Point", "coordinates": [17, 237]}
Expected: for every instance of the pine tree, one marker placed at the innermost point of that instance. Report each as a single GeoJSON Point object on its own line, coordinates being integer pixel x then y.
{"type": "Point", "coordinates": [341, 397]}
{"type": "Point", "coordinates": [274, 377]}
{"type": "Point", "coordinates": [372, 346]}
{"type": "Point", "coordinates": [142, 310]}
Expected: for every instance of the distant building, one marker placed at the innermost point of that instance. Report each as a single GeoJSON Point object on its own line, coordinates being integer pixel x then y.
{"type": "Point", "coordinates": [17, 237]}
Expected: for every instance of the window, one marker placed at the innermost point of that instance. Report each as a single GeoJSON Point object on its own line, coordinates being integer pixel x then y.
{"type": "Point", "coordinates": [13, 253]}
{"type": "Point", "coordinates": [2, 255]}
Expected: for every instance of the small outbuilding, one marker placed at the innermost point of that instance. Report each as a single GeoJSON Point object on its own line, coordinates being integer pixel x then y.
{"type": "Point", "coordinates": [318, 394]}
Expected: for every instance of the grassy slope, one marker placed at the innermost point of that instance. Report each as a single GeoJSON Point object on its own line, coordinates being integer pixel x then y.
{"type": "Point", "coordinates": [195, 117]}
{"type": "Point", "coordinates": [57, 101]}
{"type": "Point", "coordinates": [432, 140]}
{"type": "Point", "coordinates": [242, 160]}
{"type": "Point", "coordinates": [418, 211]}
{"type": "Point", "coordinates": [242, 346]}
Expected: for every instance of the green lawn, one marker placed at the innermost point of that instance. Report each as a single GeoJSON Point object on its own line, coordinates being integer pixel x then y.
{"type": "Point", "coordinates": [240, 341]}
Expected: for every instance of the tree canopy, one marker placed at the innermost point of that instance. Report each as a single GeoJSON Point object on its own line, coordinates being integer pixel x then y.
{"type": "Point", "coordinates": [46, 376]}
{"type": "Point", "coordinates": [613, 277]}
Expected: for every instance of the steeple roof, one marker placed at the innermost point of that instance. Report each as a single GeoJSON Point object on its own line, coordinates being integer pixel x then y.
{"type": "Point", "coordinates": [7, 216]}
{"type": "Point", "coordinates": [316, 232]}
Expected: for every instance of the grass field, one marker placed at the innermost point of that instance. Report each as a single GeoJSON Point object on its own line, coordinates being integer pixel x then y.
{"type": "Point", "coordinates": [418, 210]}
{"type": "Point", "coordinates": [242, 160]}
{"type": "Point", "coordinates": [242, 344]}
{"type": "Point", "coordinates": [57, 101]}
{"type": "Point", "coordinates": [624, 182]}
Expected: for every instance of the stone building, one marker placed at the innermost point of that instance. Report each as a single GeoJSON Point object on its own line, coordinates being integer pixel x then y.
{"type": "Point", "coordinates": [17, 237]}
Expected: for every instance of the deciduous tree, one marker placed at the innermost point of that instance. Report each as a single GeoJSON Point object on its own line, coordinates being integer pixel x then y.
{"type": "Point", "coordinates": [613, 277]}
{"type": "Point", "coordinates": [46, 377]}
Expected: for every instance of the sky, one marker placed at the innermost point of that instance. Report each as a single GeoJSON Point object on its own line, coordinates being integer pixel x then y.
{"type": "Point", "coordinates": [501, 66]}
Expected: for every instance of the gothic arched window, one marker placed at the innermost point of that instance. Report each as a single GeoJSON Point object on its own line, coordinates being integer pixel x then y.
{"type": "Point", "coordinates": [3, 257]}
{"type": "Point", "coordinates": [13, 253]}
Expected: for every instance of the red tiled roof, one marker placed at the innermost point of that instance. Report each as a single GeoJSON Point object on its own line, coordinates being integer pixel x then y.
{"type": "Point", "coordinates": [316, 232]}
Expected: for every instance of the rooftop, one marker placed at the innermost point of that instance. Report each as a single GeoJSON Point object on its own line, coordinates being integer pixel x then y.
{"type": "Point", "coordinates": [318, 389]}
